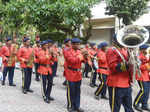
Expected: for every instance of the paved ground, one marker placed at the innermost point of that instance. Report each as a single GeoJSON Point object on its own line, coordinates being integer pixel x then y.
{"type": "Point", "coordinates": [12, 99]}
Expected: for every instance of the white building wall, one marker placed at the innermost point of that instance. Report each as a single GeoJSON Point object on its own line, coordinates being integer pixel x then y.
{"type": "Point", "coordinates": [100, 35]}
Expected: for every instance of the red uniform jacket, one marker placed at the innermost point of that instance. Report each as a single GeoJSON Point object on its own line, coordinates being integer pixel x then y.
{"type": "Point", "coordinates": [102, 63]}
{"type": "Point", "coordinates": [55, 51]}
{"type": "Point", "coordinates": [73, 61]}
{"type": "Point", "coordinates": [92, 52]}
{"type": "Point", "coordinates": [45, 60]}
{"type": "Point", "coordinates": [115, 78]}
{"type": "Point", "coordinates": [24, 55]}
{"type": "Point", "coordinates": [64, 53]}
{"type": "Point", "coordinates": [6, 52]}
{"type": "Point", "coordinates": [144, 71]}
{"type": "Point", "coordinates": [36, 51]}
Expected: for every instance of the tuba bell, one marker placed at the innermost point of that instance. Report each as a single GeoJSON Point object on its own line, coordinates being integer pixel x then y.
{"type": "Point", "coordinates": [131, 37]}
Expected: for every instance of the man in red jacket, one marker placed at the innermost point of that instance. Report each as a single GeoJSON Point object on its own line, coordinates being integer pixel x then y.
{"type": "Point", "coordinates": [93, 53]}
{"type": "Point", "coordinates": [119, 81]}
{"type": "Point", "coordinates": [45, 70]}
{"type": "Point", "coordinates": [143, 81]}
{"type": "Point", "coordinates": [8, 53]}
{"type": "Point", "coordinates": [74, 58]}
{"type": "Point", "coordinates": [36, 64]}
{"type": "Point", "coordinates": [102, 70]}
{"type": "Point", "coordinates": [26, 58]}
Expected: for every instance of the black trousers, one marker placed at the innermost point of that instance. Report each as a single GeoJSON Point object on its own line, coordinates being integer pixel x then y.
{"type": "Point", "coordinates": [36, 68]}
{"type": "Point", "coordinates": [143, 95]}
{"type": "Point", "coordinates": [47, 81]}
{"type": "Point", "coordinates": [93, 76]}
{"type": "Point", "coordinates": [118, 96]}
{"type": "Point", "coordinates": [87, 69]}
{"type": "Point", "coordinates": [73, 94]}
{"type": "Point", "coordinates": [102, 86]}
{"type": "Point", "coordinates": [54, 68]}
{"type": "Point", "coordinates": [10, 71]}
{"type": "Point", "coordinates": [26, 78]}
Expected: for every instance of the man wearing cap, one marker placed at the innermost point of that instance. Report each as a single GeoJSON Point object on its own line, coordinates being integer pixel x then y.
{"type": "Point", "coordinates": [143, 81]}
{"type": "Point", "coordinates": [45, 60]}
{"type": "Point", "coordinates": [36, 64]}
{"type": "Point", "coordinates": [8, 53]}
{"type": "Point", "coordinates": [26, 58]}
{"type": "Point", "coordinates": [67, 43]}
{"type": "Point", "coordinates": [119, 78]}
{"type": "Point", "coordinates": [74, 58]}
{"type": "Point", "coordinates": [102, 70]}
{"type": "Point", "coordinates": [52, 53]}
{"type": "Point", "coordinates": [93, 53]}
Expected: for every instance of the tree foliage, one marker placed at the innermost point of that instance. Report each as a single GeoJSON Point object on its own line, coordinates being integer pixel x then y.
{"type": "Point", "coordinates": [46, 16]}
{"type": "Point", "coordinates": [128, 10]}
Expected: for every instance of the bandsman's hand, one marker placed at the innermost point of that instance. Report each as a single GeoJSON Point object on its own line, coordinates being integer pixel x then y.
{"type": "Point", "coordinates": [24, 60]}
{"type": "Point", "coordinates": [122, 67]}
{"type": "Point", "coordinates": [47, 56]}
{"type": "Point", "coordinates": [80, 57]}
{"type": "Point", "coordinates": [148, 67]}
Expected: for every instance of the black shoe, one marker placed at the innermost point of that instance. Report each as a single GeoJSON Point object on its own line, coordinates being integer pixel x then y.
{"type": "Point", "coordinates": [95, 85]}
{"type": "Point", "coordinates": [87, 76]}
{"type": "Point", "coordinates": [3, 83]}
{"type": "Point", "coordinates": [37, 79]}
{"type": "Point", "coordinates": [146, 108]}
{"type": "Point", "coordinates": [96, 97]}
{"type": "Point", "coordinates": [80, 110]}
{"type": "Point", "coordinates": [71, 110]}
{"type": "Point", "coordinates": [12, 84]}
{"type": "Point", "coordinates": [30, 90]}
{"type": "Point", "coordinates": [24, 91]}
{"type": "Point", "coordinates": [51, 98]}
{"type": "Point", "coordinates": [138, 108]}
{"type": "Point", "coordinates": [104, 97]}
{"type": "Point", "coordinates": [46, 100]}
{"type": "Point", "coordinates": [65, 83]}
{"type": "Point", "coordinates": [92, 85]}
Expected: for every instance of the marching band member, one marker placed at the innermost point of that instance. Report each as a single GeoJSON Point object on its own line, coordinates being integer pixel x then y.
{"type": "Point", "coordinates": [143, 81]}
{"type": "Point", "coordinates": [74, 58]}
{"type": "Point", "coordinates": [93, 53]}
{"type": "Point", "coordinates": [55, 57]}
{"type": "Point", "coordinates": [26, 58]}
{"type": "Point", "coordinates": [45, 60]}
{"type": "Point", "coordinates": [52, 52]}
{"type": "Point", "coordinates": [87, 68]}
{"type": "Point", "coordinates": [118, 80]}
{"type": "Point", "coordinates": [8, 53]}
{"type": "Point", "coordinates": [36, 64]}
{"type": "Point", "coordinates": [67, 42]}
{"type": "Point", "coordinates": [102, 70]}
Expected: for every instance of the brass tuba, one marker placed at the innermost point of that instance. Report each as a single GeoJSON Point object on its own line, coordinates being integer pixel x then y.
{"type": "Point", "coordinates": [131, 37]}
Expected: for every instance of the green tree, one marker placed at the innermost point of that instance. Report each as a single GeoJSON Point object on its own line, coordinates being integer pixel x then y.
{"type": "Point", "coordinates": [63, 17]}
{"type": "Point", "coordinates": [127, 10]}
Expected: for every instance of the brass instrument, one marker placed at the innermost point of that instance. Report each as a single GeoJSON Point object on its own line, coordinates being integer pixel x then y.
{"type": "Point", "coordinates": [131, 37]}
{"type": "Point", "coordinates": [31, 59]}
{"type": "Point", "coordinates": [12, 56]}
